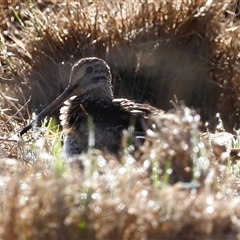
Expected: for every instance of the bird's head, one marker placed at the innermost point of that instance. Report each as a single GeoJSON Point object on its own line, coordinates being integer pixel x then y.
{"type": "Point", "coordinates": [88, 75]}
{"type": "Point", "coordinates": [91, 75]}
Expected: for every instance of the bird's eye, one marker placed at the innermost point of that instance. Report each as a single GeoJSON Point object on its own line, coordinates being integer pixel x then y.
{"type": "Point", "coordinates": [89, 69]}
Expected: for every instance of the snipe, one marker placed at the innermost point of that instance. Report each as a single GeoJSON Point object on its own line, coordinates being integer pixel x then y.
{"type": "Point", "coordinates": [90, 84]}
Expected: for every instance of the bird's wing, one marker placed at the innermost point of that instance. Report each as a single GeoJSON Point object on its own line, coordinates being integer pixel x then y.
{"type": "Point", "coordinates": [137, 109]}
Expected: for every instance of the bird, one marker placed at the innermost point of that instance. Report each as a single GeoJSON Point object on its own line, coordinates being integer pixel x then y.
{"type": "Point", "coordinates": [89, 106]}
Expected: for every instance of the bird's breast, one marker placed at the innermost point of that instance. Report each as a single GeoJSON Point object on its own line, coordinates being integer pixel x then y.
{"type": "Point", "coordinates": [86, 136]}
{"type": "Point", "coordinates": [89, 125]}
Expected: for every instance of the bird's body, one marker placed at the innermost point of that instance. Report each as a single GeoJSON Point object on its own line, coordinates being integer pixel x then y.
{"type": "Point", "coordinates": [94, 109]}
{"type": "Point", "coordinates": [107, 119]}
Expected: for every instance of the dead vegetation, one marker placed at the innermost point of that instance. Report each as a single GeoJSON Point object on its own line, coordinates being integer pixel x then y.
{"type": "Point", "coordinates": [181, 185]}
{"type": "Point", "coordinates": [166, 52]}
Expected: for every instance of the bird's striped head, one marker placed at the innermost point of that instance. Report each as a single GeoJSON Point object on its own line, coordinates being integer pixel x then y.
{"type": "Point", "coordinates": [91, 75]}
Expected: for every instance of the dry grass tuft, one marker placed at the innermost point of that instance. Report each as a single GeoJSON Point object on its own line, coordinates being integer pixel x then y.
{"type": "Point", "coordinates": [180, 185]}
{"type": "Point", "coordinates": [127, 200]}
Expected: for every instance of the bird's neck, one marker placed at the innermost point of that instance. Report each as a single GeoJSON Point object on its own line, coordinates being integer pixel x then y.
{"type": "Point", "coordinates": [96, 95]}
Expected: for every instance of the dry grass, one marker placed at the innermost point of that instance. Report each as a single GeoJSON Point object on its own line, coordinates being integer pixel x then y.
{"type": "Point", "coordinates": [129, 200]}
{"type": "Point", "coordinates": [179, 185]}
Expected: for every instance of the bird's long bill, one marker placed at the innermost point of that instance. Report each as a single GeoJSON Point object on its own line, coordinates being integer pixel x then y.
{"type": "Point", "coordinates": [53, 106]}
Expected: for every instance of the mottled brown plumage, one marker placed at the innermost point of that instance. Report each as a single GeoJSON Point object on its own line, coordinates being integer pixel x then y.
{"type": "Point", "coordinates": [94, 108]}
